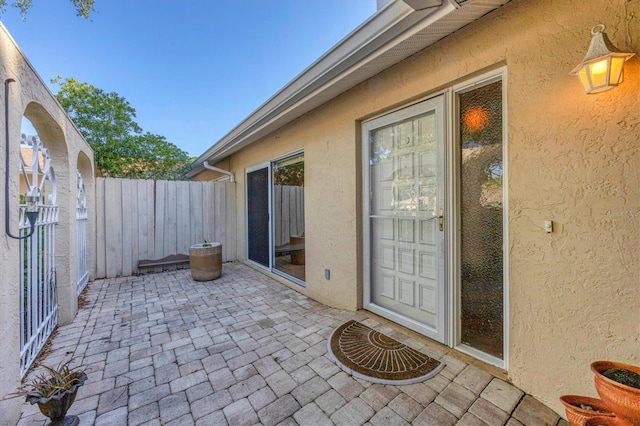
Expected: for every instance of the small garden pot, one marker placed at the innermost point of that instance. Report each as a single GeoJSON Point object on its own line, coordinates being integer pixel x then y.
{"type": "Point", "coordinates": [622, 399]}
{"type": "Point", "coordinates": [581, 408]}
{"type": "Point", "coordinates": [205, 261]}
{"type": "Point", "coordinates": [56, 406]}
{"type": "Point", "coordinates": [605, 421]}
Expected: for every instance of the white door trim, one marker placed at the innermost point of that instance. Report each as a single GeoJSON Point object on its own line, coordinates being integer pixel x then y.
{"type": "Point", "coordinates": [451, 291]}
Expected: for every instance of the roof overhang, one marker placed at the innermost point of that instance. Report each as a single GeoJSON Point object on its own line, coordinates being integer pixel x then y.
{"type": "Point", "coordinates": [395, 32]}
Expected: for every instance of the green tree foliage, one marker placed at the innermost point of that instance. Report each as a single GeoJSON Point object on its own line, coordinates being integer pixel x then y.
{"type": "Point", "coordinates": [291, 174]}
{"type": "Point", "coordinates": [83, 7]}
{"type": "Point", "coordinates": [121, 149]}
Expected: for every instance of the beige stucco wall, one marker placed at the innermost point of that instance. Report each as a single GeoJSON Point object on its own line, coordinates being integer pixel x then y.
{"type": "Point", "coordinates": [29, 96]}
{"type": "Point", "coordinates": [571, 158]}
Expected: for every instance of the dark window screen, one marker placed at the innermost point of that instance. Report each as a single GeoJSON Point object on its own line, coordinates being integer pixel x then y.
{"type": "Point", "coordinates": [258, 215]}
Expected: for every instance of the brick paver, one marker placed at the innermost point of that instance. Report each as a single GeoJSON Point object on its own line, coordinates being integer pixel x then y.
{"type": "Point", "coordinates": [456, 399]}
{"type": "Point", "coordinates": [356, 413]}
{"type": "Point", "coordinates": [311, 415]}
{"type": "Point", "coordinates": [162, 349]}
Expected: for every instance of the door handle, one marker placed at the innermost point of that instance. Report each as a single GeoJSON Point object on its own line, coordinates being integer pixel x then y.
{"type": "Point", "coordinates": [440, 218]}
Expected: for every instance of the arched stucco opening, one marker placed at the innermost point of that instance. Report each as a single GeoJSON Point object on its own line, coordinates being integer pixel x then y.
{"type": "Point", "coordinates": [53, 138]}
{"type": "Point", "coordinates": [86, 169]}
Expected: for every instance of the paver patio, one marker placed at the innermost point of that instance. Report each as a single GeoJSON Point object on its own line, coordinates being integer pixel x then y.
{"type": "Point", "coordinates": [242, 350]}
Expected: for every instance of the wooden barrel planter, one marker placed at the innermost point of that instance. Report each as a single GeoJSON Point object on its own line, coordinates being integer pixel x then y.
{"type": "Point", "coordinates": [205, 261]}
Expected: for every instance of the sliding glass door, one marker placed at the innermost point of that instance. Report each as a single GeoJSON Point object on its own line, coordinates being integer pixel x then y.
{"type": "Point", "coordinates": [275, 216]}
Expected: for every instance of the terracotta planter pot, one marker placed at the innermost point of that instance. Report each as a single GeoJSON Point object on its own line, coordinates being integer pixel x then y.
{"type": "Point", "coordinates": [622, 400]}
{"type": "Point", "coordinates": [205, 261]}
{"type": "Point", "coordinates": [605, 421]}
{"type": "Point", "coordinates": [577, 415]}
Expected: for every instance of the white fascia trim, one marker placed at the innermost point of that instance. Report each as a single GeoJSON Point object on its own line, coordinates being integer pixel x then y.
{"type": "Point", "coordinates": [381, 30]}
{"type": "Point", "coordinates": [284, 108]}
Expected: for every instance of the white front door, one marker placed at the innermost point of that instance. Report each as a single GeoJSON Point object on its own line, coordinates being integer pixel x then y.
{"type": "Point", "coordinates": [404, 200]}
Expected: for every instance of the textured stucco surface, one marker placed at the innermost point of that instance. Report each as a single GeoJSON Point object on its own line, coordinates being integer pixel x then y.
{"type": "Point", "coordinates": [30, 97]}
{"type": "Point", "coordinates": [571, 158]}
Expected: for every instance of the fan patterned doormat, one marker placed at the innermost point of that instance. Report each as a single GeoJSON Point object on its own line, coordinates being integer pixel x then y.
{"type": "Point", "coordinates": [372, 356]}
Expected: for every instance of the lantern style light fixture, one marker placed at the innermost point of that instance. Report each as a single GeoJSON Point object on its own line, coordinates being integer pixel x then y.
{"type": "Point", "coordinates": [602, 68]}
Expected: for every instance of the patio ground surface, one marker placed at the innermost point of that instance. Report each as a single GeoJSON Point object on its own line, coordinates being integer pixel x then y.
{"type": "Point", "coordinates": [242, 350]}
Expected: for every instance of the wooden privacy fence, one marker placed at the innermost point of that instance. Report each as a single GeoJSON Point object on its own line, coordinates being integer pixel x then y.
{"type": "Point", "coordinates": [146, 219]}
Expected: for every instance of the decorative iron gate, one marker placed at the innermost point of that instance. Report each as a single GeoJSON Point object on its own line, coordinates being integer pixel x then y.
{"type": "Point", "coordinates": [81, 234]}
{"type": "Point", "coordinates": [38, 298]}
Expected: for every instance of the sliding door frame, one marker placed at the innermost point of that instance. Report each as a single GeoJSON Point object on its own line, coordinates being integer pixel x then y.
{"type": "Point", "coordinates": [269, 166]}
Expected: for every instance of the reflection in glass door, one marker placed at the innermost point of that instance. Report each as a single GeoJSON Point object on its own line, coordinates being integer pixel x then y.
{"type": "Point", "coordinates": [481, 219]}
{"type": "Point", "coordinates": [288, 214]}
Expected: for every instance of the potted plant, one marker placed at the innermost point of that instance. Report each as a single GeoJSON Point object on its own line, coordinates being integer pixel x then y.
{"type": "Point", "coordinates": [54, 391]}
{"type": "Point", "coordinates": [618, 385]}
{"type": "Point", "coordinates": [581, 408]}
{"type": "Point", "coordinates": [205, 261]}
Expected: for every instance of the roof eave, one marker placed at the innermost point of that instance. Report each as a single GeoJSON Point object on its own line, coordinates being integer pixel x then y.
{"type": "Point", "coordinates": [393, 24]}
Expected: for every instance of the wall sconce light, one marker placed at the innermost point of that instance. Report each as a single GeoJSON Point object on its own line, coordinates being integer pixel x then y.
{"type": "Point", "coordinates": [602, 68]}
{"type": "Point", "coordinates": [33, 195]}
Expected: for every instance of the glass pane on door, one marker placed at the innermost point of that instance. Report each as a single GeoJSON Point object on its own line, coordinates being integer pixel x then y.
{"type": "Point", "coordinates": [258, 216]}
{"type": "Point", "coordinates": [481, 215]}
{"type": "Point", "coordinates": [288, 212]}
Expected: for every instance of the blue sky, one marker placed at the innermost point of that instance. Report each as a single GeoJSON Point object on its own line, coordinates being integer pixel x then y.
{"type": "Point", "coordinates": [192, 69]}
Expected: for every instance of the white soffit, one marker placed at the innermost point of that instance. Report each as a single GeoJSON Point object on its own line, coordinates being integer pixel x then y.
{"type": "Point", "coordinates": [394, 33]}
